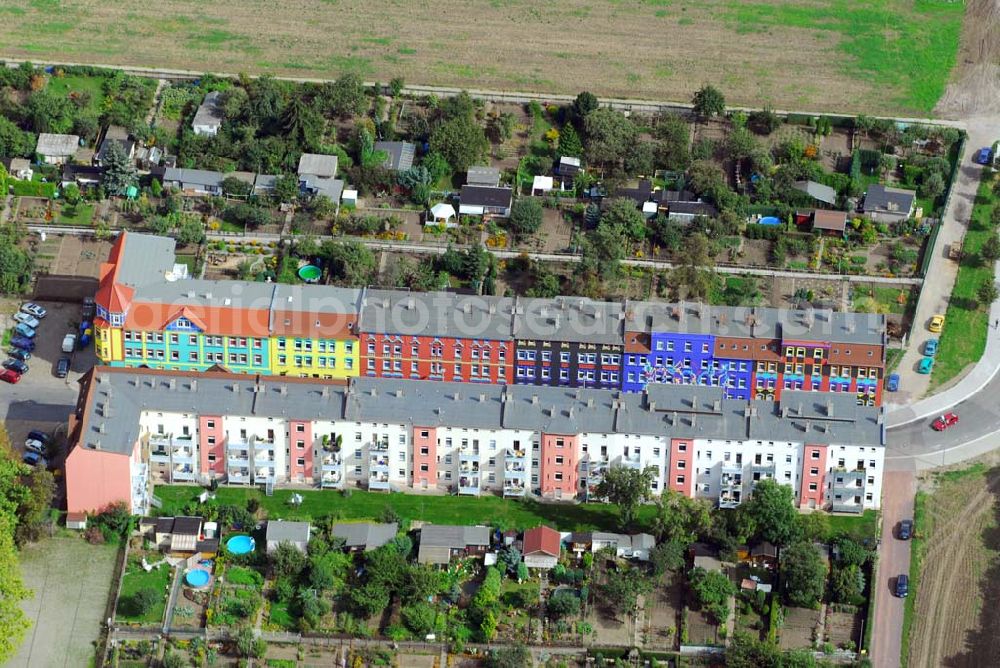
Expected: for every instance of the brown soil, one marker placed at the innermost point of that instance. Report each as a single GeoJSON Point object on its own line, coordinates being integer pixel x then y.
{"type": "Point", "coordinates": [956, 621]}
{"type": "Point", "coordinates": [975, 87]}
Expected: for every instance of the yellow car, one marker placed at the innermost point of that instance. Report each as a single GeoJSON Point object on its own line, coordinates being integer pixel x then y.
{"type": "Point", "coordinates": [936, 324]}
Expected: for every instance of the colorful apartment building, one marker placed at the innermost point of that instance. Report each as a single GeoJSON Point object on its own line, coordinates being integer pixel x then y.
{"type": "Point", "coordinates": [133, 428]}
{"type": "Point", "coordinates": [151, 314]}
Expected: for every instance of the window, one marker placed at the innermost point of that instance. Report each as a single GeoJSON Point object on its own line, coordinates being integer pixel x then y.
{"type": "Point", "coordinates": [812, 487]}
{"type": "Point", "coordinates": [210, 440]}
{"type": "Point", "coordinates": [679, 480]}
{"type": "Point", "coordinates": [814, 454]}
{"type": "Point", "coordinates": [300, 462]}
{"type": "Point", "coordinates": [682, 465]}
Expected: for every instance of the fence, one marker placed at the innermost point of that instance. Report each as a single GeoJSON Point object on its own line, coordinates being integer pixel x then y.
{"type": "Point", "coordinates": [929, 248]}
{"type": "Point", "coordinates": [112, 603]}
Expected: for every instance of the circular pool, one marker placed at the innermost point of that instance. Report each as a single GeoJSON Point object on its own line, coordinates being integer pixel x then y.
{"type": "Point", "coordinates": [240, 545]}
{"type": "Point", "coordinates": [310, 273]}
{"type": "Point", "coordinates": [769, 220]}
{"type": "Point", "coordinates": [197, 577]}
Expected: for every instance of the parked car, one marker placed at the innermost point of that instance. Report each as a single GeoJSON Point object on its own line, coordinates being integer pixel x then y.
{"type": "Point", "coordinates": [38, 435]}
{"type": "Point", "coordinates": [926, 365]}
{"type": "Point", "coordinates": [32, 445]}
{"type": "Point", "coordinates": [89, 308]}
{"type": "Point", "coordinates": [936, 324]}
{"type": "Point", "coordinates": [34, 309]}
{"type": "Point", "coordinates": [8, 376]}
{"type": "Point", "coordinates": [26, 319]}
{"type": "Point", "coordinates": [23, 342]}
{"type": "Point", "coordinates": [69, 343]}
{"type": "Point", "coordinates": [931, 347]}
{"type": "Point", "coordinates": [34, 459]}
{"type": "Point", "coordinates": [902, 585]}
{"type": "Point", "coordinates": [23, 330]}
{"type": "Point", "coordinates": [905, 529]}
{"type": "Point", "coordinates": [62, 367]}
{"type": "Point", "coordinates": [944, 421]}
{"type": "Point", "coordinates": [893, 384]}
{"type": "Point", "coordinates": [19, 354]}
{"type": "Point", "coordinates": [983, 156]}
{"type": "Point", "coordinates": [16, 365]}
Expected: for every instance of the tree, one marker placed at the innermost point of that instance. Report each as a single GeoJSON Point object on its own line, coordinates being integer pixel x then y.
{"type": "Point", "coordinates": [511, 656]}
{"type": "Point", "coordinates": [803, 574]}
{"type": "Point", "coordinates": [346, 96]}
{"type": "Point", "coordinates": [708, 101]}
{"type": "Point", "coordinates": [119, 172]}
{"type": "Point", "coordinates": [15, 263]}
{"type": "Point", "coordinates": [584, 103]}
{"type": "Point", "coordinates": [673, 142]}
{"type": "Point", "coordinates": [695, 275]}
{"type": "Point", "coordinates": [668, 556]}
{"type": "Point", "coordinates": [190, 231]}
{"type": "Point", "coordinates": [987, 292]}
{"type": "Point", "coordinates": [609, 135]}
{"type": "Point", "coordinates": [460, 141]}
{"type": "Point", "coordinates": [740, 144]}
{"type": "Point", "coordinates": [248, 644]}
{"type": "Point", "coordinates": [627, 488]}
{"type": "Point", "coordinates": [39, 488]}
{"type": "Point", "coordinates": [770, 513]}
{"type": "Point", "coordinates": [419, 618]}
{"type": "Point", "coordinates": [509, 557]}
{"type": "Point", "coordinates": [990, 250]}
{"type": "Point", "coordinates": [712, 589]}
{"type": "Point", "coordinates": [525, 217]}
{"type": "Point", "coordinates": [71, 194]}
{"type": "Point", "coordinates": [349, 261]}
{"type": "Point", "coordinates": [286, 187]}
{"type": "Point", "coordinates": [47, 112]}
{"type": "Point", "coordinates": [421, 582]}
{"type": "Point", "coordinates": [287, 561]}
{"type": "Point", "coordinates": [396, 85]}
{"type": "Point", "coordinates": [143, 601]}
{"type": "Point", "coordinates": [621, 593]}
{"type": "Point", "coordinates": [933, 185]}
{"type": "Point", "coordinates": [763, 121]}
{"type": "Point", "coordinates": [569, 142]}
{"type": "Point", "coordinates": [15, 142]}
{"type": "Point", "coordinates": [563, 603]}
{"type": "Point", "coordinates": [850, 552]}
{"type": "Point", "coordinates": [301, 123]}
{"type": "Point", "coordinates": [680, 518]}
{"type": "Point", "coordinates": [640, 159]}
{"type": "Point", "coordinates": [847, 584]}
{"type": "Point", "coordinates": [522, 572]}
{"type": "Point", "coordinates": [234, 187]}
{"type": "Point", "coordinates": [746, 651]}
{"type": "Point", "coordinates": [624, 216]}
{"type": "Point", "coordinates": [312, 608]}
{"type": "Point", "coordinates": [13, 622]}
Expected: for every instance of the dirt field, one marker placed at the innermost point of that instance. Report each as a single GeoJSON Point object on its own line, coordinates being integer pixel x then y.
{"type": "Point", "coordinates": [882, 55]}
{"type": "Point", "coordinates": [960, 572]}
{"type": "Point", "coordinates": [975, 87]}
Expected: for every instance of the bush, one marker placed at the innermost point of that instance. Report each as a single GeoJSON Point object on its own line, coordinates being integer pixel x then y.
{"type": "Point", "coordinates": [142, 602]}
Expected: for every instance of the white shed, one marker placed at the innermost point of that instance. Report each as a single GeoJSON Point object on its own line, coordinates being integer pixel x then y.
{"type": "Point", "coordinates": [541, 185]}
{"type": "Point", "coordinates": [442, 214]}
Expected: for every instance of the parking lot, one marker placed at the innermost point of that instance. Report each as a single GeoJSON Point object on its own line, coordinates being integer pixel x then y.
{"type": "Point", "coordinates": [41, 400]}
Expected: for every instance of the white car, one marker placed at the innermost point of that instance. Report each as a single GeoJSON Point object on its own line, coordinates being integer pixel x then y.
{"type": "Point", "coordinates": [26, 320]}
{"type": "Point", "coordinates": [35, 446]}
{"type": "Point", "coordinates": [34, 309]}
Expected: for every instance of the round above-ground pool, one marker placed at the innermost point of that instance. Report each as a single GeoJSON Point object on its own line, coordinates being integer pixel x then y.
{"type": "Point", "coordinates": [240, 545]}
{"type": "Point", "coordinates": [310, 273]}
{"type": "Point", "coordinates": [197, 577]}
{"type": "Point", "coordinates": [769, 220]}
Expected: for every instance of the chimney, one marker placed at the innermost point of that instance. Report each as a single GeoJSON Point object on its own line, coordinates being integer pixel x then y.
{"type": "Point", "coordinates": [482, 398]}
{"type": "Point", "coordinates": [784, 411]}
{"type": "Point", "coordinates": [194, 384]}
{"type": "Point", "coordinates": [746, 410]}
{"type": "Point", "coordinates": [493, 308]}
{"type": "Point", "coordinates": [717, 405]}
{"type": "Point", "coordinates": [101, 429]}
{"type": "Point", "coordinates": [236, 388]}
{"type": "Point", "coordinates": [282, 390]}
{"type": "Point", "coordinates": [590, 402]}
{"type": "Point", "coordinates": [411, 304]}
{"type": "Point", "coordinates": [458, 396]}
{"type": "Point", "coordinates": [829, 408]}
{"type": "Point", "coordinates": [571, 412]}
{"type": "Point", "coordinates": [652, 405]}
{"type": "Point", "coordinates": [466, 308]}
{"type": "Point", "coordinates": [534, 399]}
{"type": "Point", "coordinates": [208, 295]}
{"type": "Point", "coordinates": [374, 392]}
{"type": "Point", "coordinates": [325, 392]}
{"type": "Point", "coordinates": [172, 384]}
{"type": "Point", "coordinates": [399, 394]}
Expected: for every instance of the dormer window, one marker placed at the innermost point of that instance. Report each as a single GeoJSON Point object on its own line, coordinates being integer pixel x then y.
{"type": "Point", "coordinates": [117, 319]}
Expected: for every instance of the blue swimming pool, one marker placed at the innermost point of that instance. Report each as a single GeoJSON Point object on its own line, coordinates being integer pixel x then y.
{"type": "Point", "coordinates": [769, 220]}
{"type": "Point", "coordinates": [240, 545]}
{"type": "Point", "coordinates": [197, 577]}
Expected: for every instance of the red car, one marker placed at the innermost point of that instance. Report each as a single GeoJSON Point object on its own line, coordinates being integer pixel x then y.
{"type": "Point", "coordinates": [9, 376]}
{"type": "Point", "coordinates": [945, 421]}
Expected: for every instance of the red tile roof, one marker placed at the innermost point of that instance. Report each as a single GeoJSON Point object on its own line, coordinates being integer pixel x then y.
{"type": "Point", "coordinates": [542, 539]}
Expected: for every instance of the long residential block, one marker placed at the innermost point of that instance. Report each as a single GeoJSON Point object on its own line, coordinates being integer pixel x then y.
{"type": "Point", "coordinates": [150, 314]}
{"type": "Point", "coordinates": [133, 428]}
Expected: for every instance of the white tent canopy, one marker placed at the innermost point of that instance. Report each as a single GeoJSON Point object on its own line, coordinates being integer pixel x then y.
{"type": "Point", "coordinates": [442, 212]}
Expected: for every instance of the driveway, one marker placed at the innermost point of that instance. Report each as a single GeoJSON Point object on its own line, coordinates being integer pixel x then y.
{"type": "Point", "coordinates": [899, 488]}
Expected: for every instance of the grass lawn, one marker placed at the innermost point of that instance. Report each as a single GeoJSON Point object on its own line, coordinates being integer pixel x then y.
{"type": "Point", "coordinates": [77, 215]}
{"type": "Point", "coordinates": [136, 578]}
{"type": "Point", "coordinates": [75, 83]}
{"type": "Point", "coordinates": [188, 261]}
{"type": "Point", "coordinates": [964, 338]}
{"type": "Point", "coordinates": [858, 526]}
{"type": "Point", "coordinates": [893, 356]}
{"type": "Point", "coordinates": [886, 298]}
{"type": "Point", "coordinates": [281, 618]}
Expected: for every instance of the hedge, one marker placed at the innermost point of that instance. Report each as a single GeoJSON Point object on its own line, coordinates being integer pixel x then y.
{"type": "Point", "coordinates": [34, 189]}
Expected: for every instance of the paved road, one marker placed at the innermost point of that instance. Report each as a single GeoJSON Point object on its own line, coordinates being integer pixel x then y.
{"type": "Point", "coordinates": [894, 558]}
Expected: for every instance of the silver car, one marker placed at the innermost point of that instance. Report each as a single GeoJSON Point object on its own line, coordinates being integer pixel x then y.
{"type": "Point", "coordinates": [34, 310]}
{"type": "Point", "coordinates": [26, 320]}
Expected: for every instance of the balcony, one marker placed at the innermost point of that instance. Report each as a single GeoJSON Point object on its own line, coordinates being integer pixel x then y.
{"type": "Point", "coordinates": [264, 475]}
{"type": "Point", "coordinates": [379, 446]}
{"type": "Point", "coordinates": [468, 484]}
{"type": "Point", "coordinates": [730, 498]}
{"type": "Point", "coordinates": [513, 488]}
{"type": "Point", "coordinates": [760, 470]}
{"type": "Point", "coordinates": [243, 462]}
{"type": "Point", "coordinates": [631, 461]}
{"type": "Point", "coordinates": [515, 472]}
{"type": "Point", "coordinates": [331, 462]}
{"type": "Point", "coordinates": [731, 467]}
{"type": "Point", "coordinates": [159, 456]}
{"type": "Point", "coordinates": [237, 445]}
{"type": "Point", "coordinates": [380, 481]}
{"type": "Point", "coordinates": [379, 463]}
{"type": "Point", "coordinates": [851, 504]}
{"type": "Point", "coordinates": [183, 473]}
{"type": "Point", "coordinates": [331, 479]}
{"type": "Point", "coordinates": [513, 456]}
{"type": "Point", "coordinates": [262, 459]}
{"type": "Point", "coordinates": [732, 480]}
{"type": "Point", "coordinates": [849, 482]}
{"type": "Point", "coordinates": [239, 476]}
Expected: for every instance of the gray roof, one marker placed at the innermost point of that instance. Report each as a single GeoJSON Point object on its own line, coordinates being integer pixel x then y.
{"type": "Point", "coordinates": [209, 113]}
{"type": "Point", "coordinates": [400, 156]}
{"type": "Point", "coordinates": [441, 314]}
{"type": "Point", "coordinates": [453, 536]}
{"type": "Point", "coordinates": [293, 532]}
{"type": "Point", "coordinates": [57, 145]}
{"type": "Point", "coordinates": [194, 177]}
{"type": "Point", "coordinates": [332, 188]}
{"type": "Point", "coordinates": [264, 182]}
{"type": "Point", "coordinates": [365, 534]}
{"type": "Point", "coordinates": [316, 164]}
{"type": "Point", "coordinates": [884, 199]}
{"type": "Point", "coordinates": [483, 176]}
{"type": "Point", "coordinates": [569, 319]}
{"type": "Point", "coordinates": [118, 396]}
{"type": "Point", "coordinates": [485, 196]}
{"type": "Point", "coordinates": [145, 260]}
{"type": "Point", "coordinates": [755, 322]}
{"type": "Point", "coordinates": [817, 191]}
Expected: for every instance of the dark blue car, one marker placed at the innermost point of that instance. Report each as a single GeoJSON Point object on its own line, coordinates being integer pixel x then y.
{"type": "Point", "coordinates": [23, 343]}
{"type": "Point", "coordinates": [893, 384]}
{"type": "Point", "coordinates": [983, 157]}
